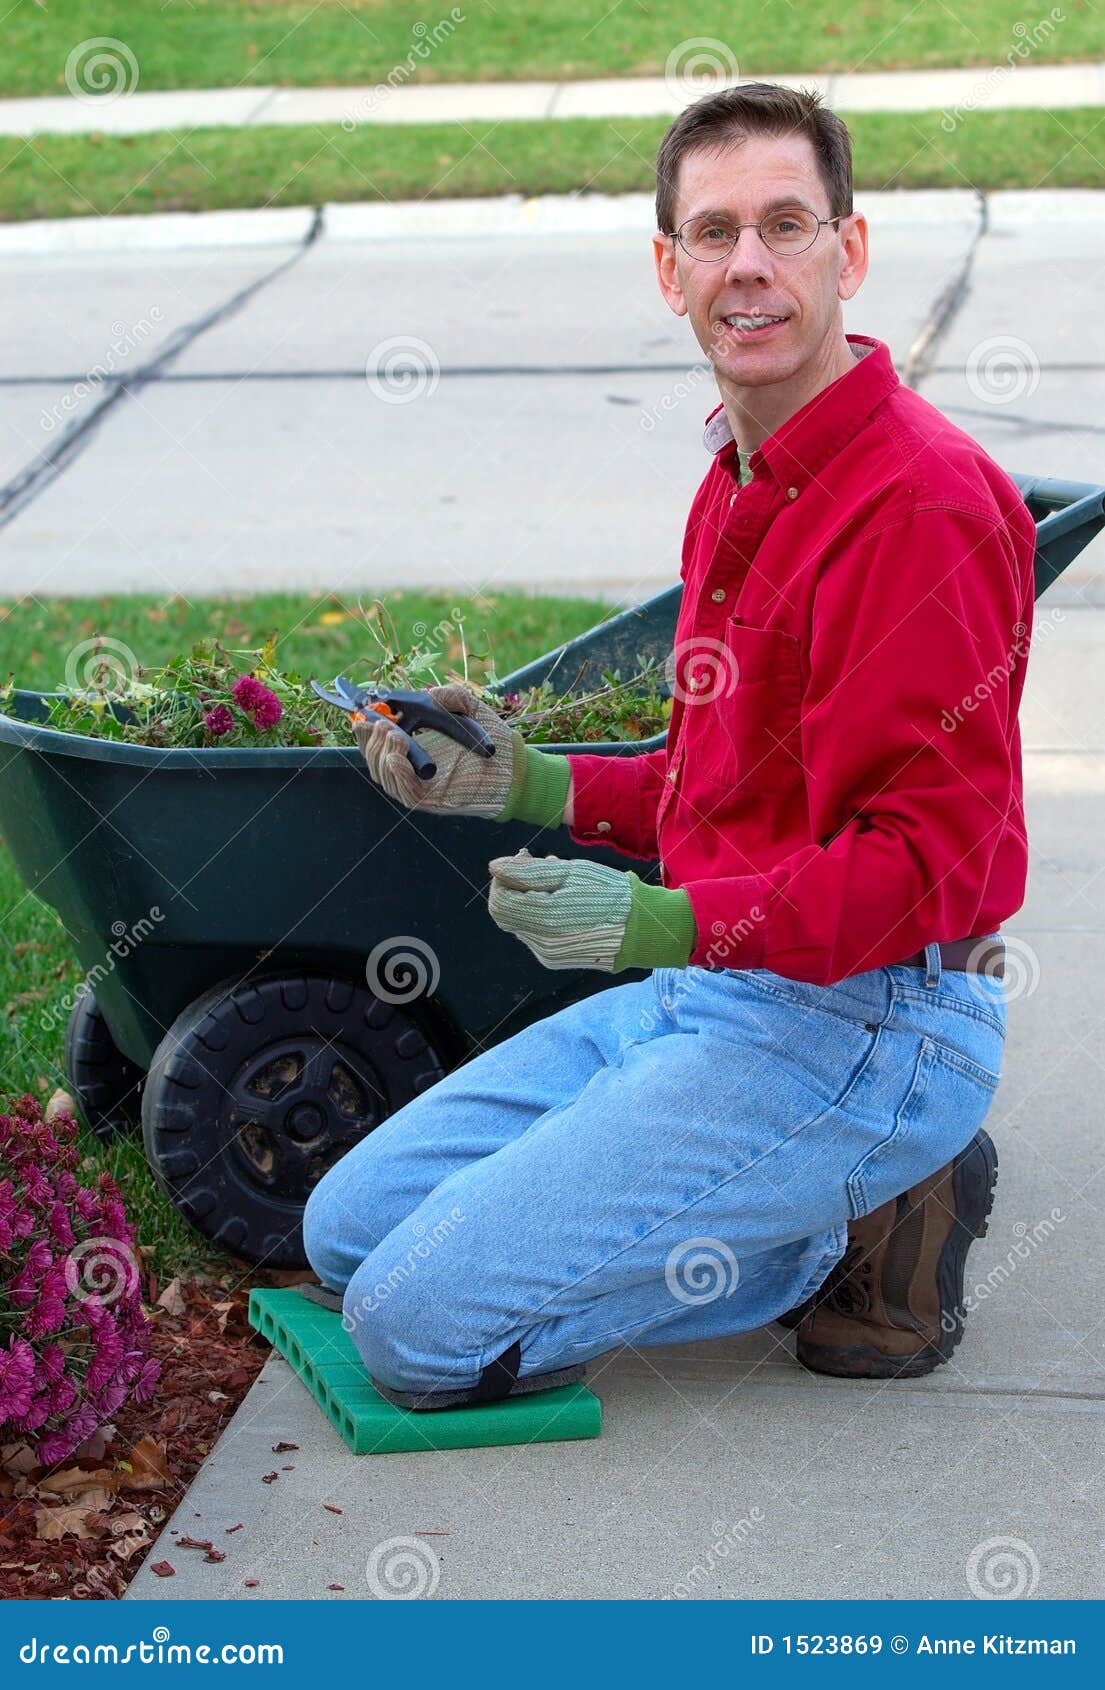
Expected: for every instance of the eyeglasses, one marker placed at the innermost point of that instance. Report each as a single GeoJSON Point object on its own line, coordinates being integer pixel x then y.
{"type": "Point", "coordinates": [710, 239]}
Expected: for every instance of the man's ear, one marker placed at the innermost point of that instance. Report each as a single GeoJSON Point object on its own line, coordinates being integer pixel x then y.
{"type": "Point", "coordinates": [856, 254]}
{"type": "Point", "coordinates": [667, 272]}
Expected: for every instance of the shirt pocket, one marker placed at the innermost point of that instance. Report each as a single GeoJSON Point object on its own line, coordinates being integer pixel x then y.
{"type": "Point", "coordinates": [748, 739]}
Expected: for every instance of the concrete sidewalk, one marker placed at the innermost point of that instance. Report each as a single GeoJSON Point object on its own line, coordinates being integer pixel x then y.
{"type": "Point", "coordinates": [981, 87]}
{"type": "Point", "coordinates": [221, 417]}
{"type": "Point", "coordinates": [724, 1470]}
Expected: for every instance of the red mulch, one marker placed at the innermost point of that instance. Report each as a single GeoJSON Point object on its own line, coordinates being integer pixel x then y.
{"type": "Point", "coordinates": [83, 1528]}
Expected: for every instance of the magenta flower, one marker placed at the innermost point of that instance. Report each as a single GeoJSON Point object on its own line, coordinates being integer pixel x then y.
{"type": "Point", "coordinates": [260, 704]}
{"type": "Point", "coordinates": [74, 1339]}
{"type": "Point", "coordinates": [218, 721]}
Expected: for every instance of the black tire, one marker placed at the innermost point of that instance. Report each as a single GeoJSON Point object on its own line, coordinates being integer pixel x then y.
{"type": "Point", "coordinates": [258, 1088]}
{"type": "Point", "coordinates": [106, 1085]}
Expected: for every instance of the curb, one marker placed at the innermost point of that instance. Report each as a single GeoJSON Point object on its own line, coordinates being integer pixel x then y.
{"type": "Point", "coordinates": [503, 215]}
{"type": "Point", "coordinates": [132, 113]}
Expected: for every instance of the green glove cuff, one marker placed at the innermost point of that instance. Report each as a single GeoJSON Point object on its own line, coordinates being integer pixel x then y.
{"type": "Point", "coordinates": [539, 788]}
{"type": "Point", "coordinates": [661, 931]}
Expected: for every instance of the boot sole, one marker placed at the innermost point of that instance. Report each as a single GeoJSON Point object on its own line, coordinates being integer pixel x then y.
{"type": "Point", "coordinates": [974, 1178]}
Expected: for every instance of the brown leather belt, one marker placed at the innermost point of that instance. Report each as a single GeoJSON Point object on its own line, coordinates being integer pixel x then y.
{"type": "Point", "coordinates": [976, 956]}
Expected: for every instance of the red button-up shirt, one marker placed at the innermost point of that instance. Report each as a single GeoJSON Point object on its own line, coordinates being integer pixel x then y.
{"type": "Point", "coordinates": [841, 780]}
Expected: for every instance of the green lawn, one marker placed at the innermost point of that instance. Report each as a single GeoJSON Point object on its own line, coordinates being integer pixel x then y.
{"type": "Point", "coordinates": [79, 176]}
{"type": "Point", "coordinates": [224, 43]}
{"type": "Point", "coordinates": [37, 967]}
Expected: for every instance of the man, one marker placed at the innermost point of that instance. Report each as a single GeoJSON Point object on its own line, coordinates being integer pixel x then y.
{"type": "Point", "coordinates": [783, 1119]}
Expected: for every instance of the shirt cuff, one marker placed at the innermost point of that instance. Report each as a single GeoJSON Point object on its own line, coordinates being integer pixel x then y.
{"type": "Point", "coordinates": [730, 917]}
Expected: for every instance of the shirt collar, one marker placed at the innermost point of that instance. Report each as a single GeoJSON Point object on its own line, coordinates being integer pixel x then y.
{"type": "Point", "coordinates": [801, 446]}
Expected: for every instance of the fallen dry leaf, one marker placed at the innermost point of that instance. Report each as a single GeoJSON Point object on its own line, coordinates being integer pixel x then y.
{"type": "Point", "coordinates": [78, 1479]}
{"type": "Point", "coordinates": [172, 1299]}
{"type": "Point", "coordinates": [148, 1467]}
{"type": "Point", "coordinates": [71, 1520]}
{"type": "Point", "coordinates": [163, 1569]}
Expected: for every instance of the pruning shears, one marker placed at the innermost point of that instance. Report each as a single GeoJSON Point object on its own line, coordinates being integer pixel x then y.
{"type": "Point", "coordinates": [408, 711]}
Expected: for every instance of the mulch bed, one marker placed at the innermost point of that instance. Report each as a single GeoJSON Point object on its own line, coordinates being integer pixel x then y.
{"type": "Point", "coordinates": [83, 1528]}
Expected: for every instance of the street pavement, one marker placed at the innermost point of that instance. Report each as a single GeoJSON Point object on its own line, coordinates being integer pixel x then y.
{"type": "Point", "coordinates": [471, 395]}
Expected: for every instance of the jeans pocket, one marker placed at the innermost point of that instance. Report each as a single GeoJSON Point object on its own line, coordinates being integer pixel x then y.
{"type": "Point", "coordinates": [948, 1098]}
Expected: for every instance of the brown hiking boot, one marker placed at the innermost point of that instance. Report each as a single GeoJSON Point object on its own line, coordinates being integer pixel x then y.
{"type": "Point", "coordinates": [892, 1307]}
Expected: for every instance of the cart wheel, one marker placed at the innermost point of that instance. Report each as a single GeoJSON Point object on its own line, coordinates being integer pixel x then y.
{"type": "Point", "coordinates": [257, 1089]}
{"type": "Point", "coordinates": [106, 1084]}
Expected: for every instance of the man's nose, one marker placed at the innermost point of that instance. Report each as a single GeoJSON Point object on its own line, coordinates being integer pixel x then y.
{"type": "Point", "coordinates": [750, 258]}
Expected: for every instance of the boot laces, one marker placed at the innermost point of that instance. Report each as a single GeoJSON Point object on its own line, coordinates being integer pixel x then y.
{"type": "Point", "coordinates": [848, 1289]}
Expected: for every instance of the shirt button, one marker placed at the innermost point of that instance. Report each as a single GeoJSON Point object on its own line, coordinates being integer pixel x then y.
{"type": "Point", "coordinates": [732, 499]}
{"type": "Point", "coordinates": [692, 684]}
{"type": "Point", "coordinates": [718, 594]}
{"type": "Point", "coordinates": [671, 774]}
{"type": "Point", "coordinates": [792, 492]}
{"type": "Point", "coordinates": [602, 827]}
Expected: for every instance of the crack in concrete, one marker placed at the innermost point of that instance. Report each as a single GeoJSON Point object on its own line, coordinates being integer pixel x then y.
{"type": "Point", "coordinates": [32, 481]}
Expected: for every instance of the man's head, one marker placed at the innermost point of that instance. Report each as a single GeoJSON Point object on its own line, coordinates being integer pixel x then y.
{"type": "Point", "coordinates": [730, 157]}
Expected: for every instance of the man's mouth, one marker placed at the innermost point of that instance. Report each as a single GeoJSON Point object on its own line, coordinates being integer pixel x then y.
{"type": "Point", "coordinates": [757, 323]}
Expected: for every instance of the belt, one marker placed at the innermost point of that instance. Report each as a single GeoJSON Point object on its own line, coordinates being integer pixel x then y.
{"type": "Point", "coordinates": [976, 956]}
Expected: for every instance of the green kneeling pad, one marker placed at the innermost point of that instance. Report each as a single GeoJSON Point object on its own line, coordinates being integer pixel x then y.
{"type": "Point", "coordinates": [313, 1341]}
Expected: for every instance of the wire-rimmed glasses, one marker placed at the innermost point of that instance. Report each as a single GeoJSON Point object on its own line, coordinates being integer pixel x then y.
{"type": "Point", "coordinates": [784, 232]}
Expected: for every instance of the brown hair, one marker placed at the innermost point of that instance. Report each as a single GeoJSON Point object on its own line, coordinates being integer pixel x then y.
{"type": "Point", "coordinates": [756, 108]}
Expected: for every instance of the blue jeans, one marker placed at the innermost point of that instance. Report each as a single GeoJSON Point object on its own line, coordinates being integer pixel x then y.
{"type": "Point", "coordinates": [666, 1160]}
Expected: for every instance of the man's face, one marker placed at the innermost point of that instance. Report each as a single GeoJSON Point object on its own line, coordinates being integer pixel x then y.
{"type": "Point", "coordinates": [739, 182]}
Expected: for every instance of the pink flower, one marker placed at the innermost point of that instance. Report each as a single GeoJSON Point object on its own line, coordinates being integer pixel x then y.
{"type": "Point", "coordinates": [218, 721]}
{"type": "Point", "coordinates": [260, 704]}
{"type": "Point", "coordinates": [147, 1379]}
{"type": "Point", "coordinates": [17, 1367]}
